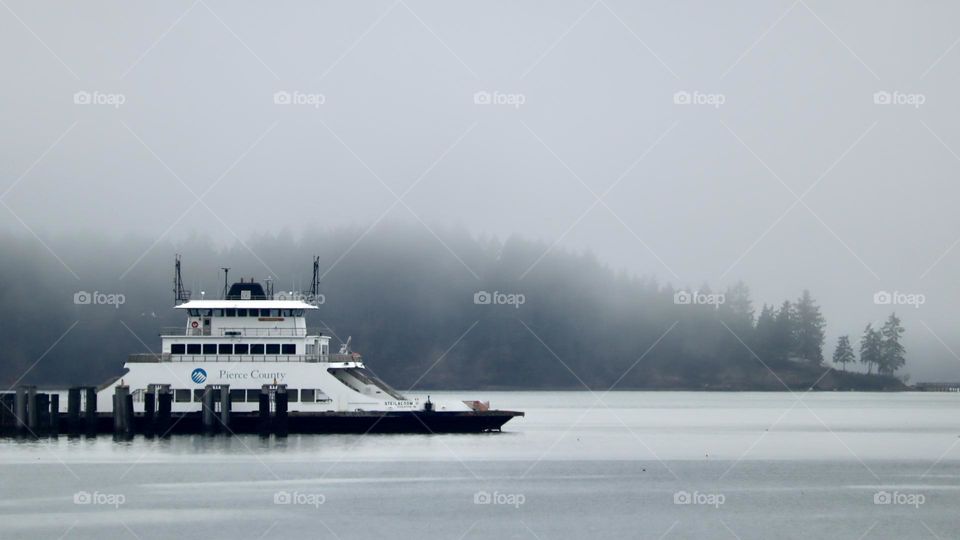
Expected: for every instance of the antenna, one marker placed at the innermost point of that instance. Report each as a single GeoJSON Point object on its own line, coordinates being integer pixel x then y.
{"type": "Point", "coordinates": [315, 284]}
{"type": "Point", "coordinates": [269, 282]}
{"type": "Point", "coordinates": [225, 272]}
{"type": "Point", "coordinates": [179, 294]}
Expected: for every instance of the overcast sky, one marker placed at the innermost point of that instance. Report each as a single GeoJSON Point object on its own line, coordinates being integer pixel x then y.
{"type": "Point", "coordinates": [777, 163]}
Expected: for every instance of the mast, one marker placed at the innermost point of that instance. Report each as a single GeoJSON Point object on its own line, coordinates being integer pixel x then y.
{"type": "Point", "coordinates": [179, 294]}
{"type": "Point", "coordinates": [315, 283]}
{"type": "Point", "coordinates": [225, 284]}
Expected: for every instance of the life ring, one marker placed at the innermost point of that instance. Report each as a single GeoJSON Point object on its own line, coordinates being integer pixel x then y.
{"type": "Point", "coordinates": [194, 324]}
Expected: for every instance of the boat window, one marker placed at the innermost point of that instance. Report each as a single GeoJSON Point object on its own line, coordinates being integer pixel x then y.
{"type": "Point", "coordinates": [274, 312]}
{"type": "Point", "coordinates": [230, 313]}
{"type": "Point", "coordinates": [225, 348]}
{"type": "Point", "coordinates": [218, 313]}
{"type": "Point", "coordinates": [178, 348]}
{"type": "Point", "coordinates": [193, 348]}
{"type": "Point", "coordinates": [273, 348]}
{"type": "Point", "coordinates": [289, 348]}
{"type": "Point", "coordinates": [237, 396]}
{"type": "Point", "coordinates": [241, 348]}
{"type": "Point", "coordinates": [193, 312]}
{"type": "Point", "coordinates": [256, 348]}
{"type": "Point", "coordinates": [206, 312]}
{"type": "Point", "coordinates": [197, 396]}
{"type": "Point", "coordinates": [241, 313]}
{"type": "Point", "coordinates": [292, 396]}
{"type": "Point", "coordinates": [253, 396]}
{"type": "Point", "coordinates": [209, 348]}
{"type": "Point", "coordinates": [306, 395]}
{"type": "Point", "coordinates": [181, 396]}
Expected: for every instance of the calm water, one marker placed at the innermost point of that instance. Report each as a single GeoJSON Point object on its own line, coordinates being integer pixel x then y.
{"type": "Point", "coordinates": [747, 465]}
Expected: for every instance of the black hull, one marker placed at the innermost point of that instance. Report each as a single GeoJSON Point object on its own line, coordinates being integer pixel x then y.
{"type": "Point", "coordinates": [310, 423]}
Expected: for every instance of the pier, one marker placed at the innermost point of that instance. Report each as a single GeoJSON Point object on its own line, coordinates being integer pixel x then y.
{"type": "Point", "coordinates": [32, 412]}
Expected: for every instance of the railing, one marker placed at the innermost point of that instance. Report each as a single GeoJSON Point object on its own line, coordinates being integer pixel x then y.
{"type": "Point", "coordinates": [240, 358]}
{"type": "Point", "coordinates": [242, 332]}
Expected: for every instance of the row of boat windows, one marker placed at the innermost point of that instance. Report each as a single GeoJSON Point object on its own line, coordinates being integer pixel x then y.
{"type": "Point", "coordinates": [233, 348]}
{"type": "Point", "coordinates": [302, 395]}
{"type": "Point", "coordinates": [248, 312]}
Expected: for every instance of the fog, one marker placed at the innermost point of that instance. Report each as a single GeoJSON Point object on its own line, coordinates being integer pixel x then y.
{"type": "Point", "coordinates": [688, 143]}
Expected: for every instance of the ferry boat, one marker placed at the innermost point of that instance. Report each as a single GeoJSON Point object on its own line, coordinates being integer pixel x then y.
{"type": "Point", "coordinates": [251, 342]}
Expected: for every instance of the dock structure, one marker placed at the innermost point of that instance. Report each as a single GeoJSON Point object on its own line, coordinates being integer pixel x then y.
{"type": "Point", "coordinates": [937, 387]}
{"type": "Point", "coordinates": [29, 412]}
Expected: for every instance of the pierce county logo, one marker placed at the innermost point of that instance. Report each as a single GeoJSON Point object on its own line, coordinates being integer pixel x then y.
{"type": "Point", "coordinates": [198, 376]}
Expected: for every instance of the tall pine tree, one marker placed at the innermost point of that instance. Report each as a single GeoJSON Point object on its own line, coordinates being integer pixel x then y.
{"type": "Point", "coordinates": [870, 348]}
{"type": "Point", "coordinates": [844, 354]}
{"type": "Point", "coordinates": [784, 332]}
{"type": "Point", "coordinates": [891, 350]}
{"type": "Point", "coordinates": [809, 329]}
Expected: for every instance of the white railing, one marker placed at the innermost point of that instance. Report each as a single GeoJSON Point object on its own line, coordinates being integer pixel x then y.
{"type": "Point", "coordinates": [240, 358]}
{"type": "Point", "coordinates": [242, 332]}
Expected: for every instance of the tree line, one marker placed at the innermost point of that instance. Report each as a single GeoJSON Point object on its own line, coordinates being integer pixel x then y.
{"type": "Point", "coordinates": [411, 308]}
{"type": "Point", "coordinates": [881, 349]}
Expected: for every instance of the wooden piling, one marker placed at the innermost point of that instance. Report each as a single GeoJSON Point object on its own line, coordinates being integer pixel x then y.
{"type": "Point", "coordinates": [33, 411]}
{"type": "Point", "coordinates": [149, 410]}
{"type": "Point", "coordinates": [280, 424]}
{"type": "Point", "coordinates": [21, 409]}
{"type": "Point", "coordinates": [42, 423]}
{"type": "Point", "coordinates": [73, 410]}
{"type": "Point", "coordinates": [209, 415]}
{"type": "Point", "coordinates": [129, 419]}
{"type": "Point", "coordinates": [90, 410]}
{"type": "Point", "coordinates": [225, 407]}
{"type": "Point", "coordinates": [8, 421]}
{"type": "Point", "coordinates": [164, 406]}
{"type": "Point", "coordinates": [120, 419]}
{"type": "Point", "coordinates": [54, 413]}
{"type": "Point", "coordinates": [264, 424]}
